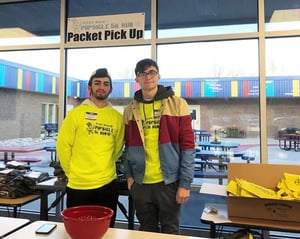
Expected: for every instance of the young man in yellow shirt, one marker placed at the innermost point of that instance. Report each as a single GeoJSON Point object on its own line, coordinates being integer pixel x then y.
{"type": "Point", "coordinates": [89, 142]}
{"type": "Point", "coordinates": [159, 152]}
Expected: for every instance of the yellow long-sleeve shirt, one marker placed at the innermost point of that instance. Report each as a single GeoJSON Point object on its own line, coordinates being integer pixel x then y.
{"type": "Point", "coordinates": [89, 142]}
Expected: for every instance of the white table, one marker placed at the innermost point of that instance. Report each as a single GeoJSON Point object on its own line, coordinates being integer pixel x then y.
{"type": "Point", "coordinates": [9, 224]}
{"type": "Point", "coordinates": [112, 233]}
{"type": "Point", "coordinates": [220, 218]}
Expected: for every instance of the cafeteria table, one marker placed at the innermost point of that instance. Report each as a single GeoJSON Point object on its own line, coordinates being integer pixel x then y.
{"type": "Point", "coordinates": [18, 202]}
{"type": "Point", "coordinates": [53, 185]}
{"type": "Point", "coordinates": [215, 214]}
{"type": "Point", "coordinates": [201, 135]}
{"type": "Point", "coordinates": [52, 150]}
{"type": "Point", "coordinates": [9, 225]}
{"type": "Point", "coordinates": [112, 233]}
{"type": "Point", "coordinates": [223, 145]}
{"type": "Point", "coordinates": [289, 141]}
{"type": "Point", "coordinates": [12, 150]}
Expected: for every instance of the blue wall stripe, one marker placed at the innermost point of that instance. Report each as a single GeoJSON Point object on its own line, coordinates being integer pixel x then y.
{"type": "Point", "coordinates": [32, 81]}
{"type": "Point", "coordinates": [2, 75]}
{"type": "Point", "coordinates": [270, 89]}
{"type": "Point", "coordinates": [40, 82]}
{"type": "Point", "coordinates": [11, 77]}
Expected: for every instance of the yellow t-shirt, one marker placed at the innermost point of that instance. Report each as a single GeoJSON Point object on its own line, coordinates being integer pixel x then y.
{"type": "Point", "coordinates": [150, 115]}
{"type": "Point", "coordinates": [89, 142]}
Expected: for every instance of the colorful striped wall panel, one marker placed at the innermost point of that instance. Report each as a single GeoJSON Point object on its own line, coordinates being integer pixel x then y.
{"type": "Point", "coordinates": [21, 77]}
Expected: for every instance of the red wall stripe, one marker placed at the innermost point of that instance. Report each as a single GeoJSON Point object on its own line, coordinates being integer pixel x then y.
{"type": "Point", "coordinates": [27, 80]}
{"type": "Point", "coordinates": [136, 87]}
{"type": "Point", "coordinates": [246, 88]}
{"type": "Point", "coordinates": [188, 89]}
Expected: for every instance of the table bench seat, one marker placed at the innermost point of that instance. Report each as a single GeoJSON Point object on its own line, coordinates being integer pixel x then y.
{"type": "Point", "coordinates": [201, 174]}
{"type": "Point", "coordinates": [7, 160]}
{"type": "Point", "coordinates": [248, 157]}
{"type": "Point", "coordinates": [216, 154]}
{"type": "Point", "coordinates": [201, 164]}
{"type": "Point", "coordinates": [28, 160]}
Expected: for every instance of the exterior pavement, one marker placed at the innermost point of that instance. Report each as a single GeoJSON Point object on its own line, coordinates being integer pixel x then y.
{"type": "Point", "coordinates": [192, 210]}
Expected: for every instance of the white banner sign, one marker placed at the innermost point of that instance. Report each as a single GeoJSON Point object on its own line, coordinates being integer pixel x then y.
{"type": "Point", "coordinates": [106, 28]}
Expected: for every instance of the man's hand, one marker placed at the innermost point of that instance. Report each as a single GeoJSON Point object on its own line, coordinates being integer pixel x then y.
{"type": "Point", "coordinates": [182, 195]}
{"type": "Point", "coordinates": [130, 181]}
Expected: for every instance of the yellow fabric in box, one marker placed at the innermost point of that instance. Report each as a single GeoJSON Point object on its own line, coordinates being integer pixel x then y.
{"type": "Point", "coordinates": [283, 191]}
{"type": "Point", "coordinates": [257, 190]}
{"type": "Point", "coordinates": [292, 181]}
{"type": "Point", "coordinates": [296, 195]}
{"type": "Point", "coordinates": [233, 189]}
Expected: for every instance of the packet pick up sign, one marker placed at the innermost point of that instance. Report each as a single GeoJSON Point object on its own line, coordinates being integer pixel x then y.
{"type": "Point", "coordinates": [107, 28]}
{"type": "Point", "coordinates": [259, 210]}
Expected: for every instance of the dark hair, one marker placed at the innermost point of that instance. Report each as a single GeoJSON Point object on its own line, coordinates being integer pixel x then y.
{"type": "Point", "coordinates": [144, 64]}
{"type": "Point", "coordinates": [102, 72]}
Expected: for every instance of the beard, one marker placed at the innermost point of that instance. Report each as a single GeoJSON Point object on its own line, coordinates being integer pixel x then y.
{"type": "Point", "coordinates": [99, 96]}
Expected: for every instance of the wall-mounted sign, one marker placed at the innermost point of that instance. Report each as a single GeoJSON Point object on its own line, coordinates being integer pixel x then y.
{"type": "Point", "coordinates": [106, 28]}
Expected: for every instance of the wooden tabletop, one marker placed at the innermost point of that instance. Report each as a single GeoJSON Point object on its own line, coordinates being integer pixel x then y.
{"type": "Point", "coordinates": [18, 201]}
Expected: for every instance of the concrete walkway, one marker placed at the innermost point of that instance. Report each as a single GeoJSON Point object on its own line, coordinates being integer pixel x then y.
{"type": "Point", "coordinates": [192, 210]}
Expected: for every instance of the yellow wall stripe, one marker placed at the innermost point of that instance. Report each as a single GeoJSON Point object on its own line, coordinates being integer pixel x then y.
{"type": "Point", "coordinates": [54, 85]}
{"type": "Point", "coordinates": [178, 88]}
{"type": "Point", "coordinates": [202, 88]}
{"type": "Point", "coordinates": [234, 88]}
{"type": "Point", "coordinates": [20, 79]}
{"type": "Point", "coordinates": [296, 88]}
{"type": "Point", "coordinates": [126, 89]}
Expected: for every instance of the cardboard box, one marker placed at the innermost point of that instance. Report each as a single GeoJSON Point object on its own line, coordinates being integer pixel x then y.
{"type": "Point", "coordinates": [258, 209]}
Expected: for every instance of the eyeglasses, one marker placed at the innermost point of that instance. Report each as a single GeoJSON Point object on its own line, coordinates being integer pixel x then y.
{"type": "Point", "coordinates": [151, 73]}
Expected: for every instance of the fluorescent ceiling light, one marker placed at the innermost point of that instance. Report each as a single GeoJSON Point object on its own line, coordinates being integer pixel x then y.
{"type": "Point", "coordinates": [14, 32]}
{"type": "Point", "coordinates": [287, 15]}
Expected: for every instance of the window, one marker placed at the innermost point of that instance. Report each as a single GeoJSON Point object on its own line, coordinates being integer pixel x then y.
{"type": "Point", "coordinates": [209, 52]}
{"type": "Point", "coordinates": [198, 18]}
{"type": "Point", "coordinates": [49, 113]}
{"type": "Point", "coordinates": [282, 15]}
{"type": "Point", "coordinates": [27, 80]}
{"type": "Point", "coordinates": [27, 23]}
{"type": "Point", "coordinates": [283, 92]}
